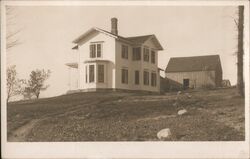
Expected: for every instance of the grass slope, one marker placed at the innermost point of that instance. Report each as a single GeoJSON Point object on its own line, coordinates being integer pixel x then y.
{"type": "Point", "coordinates": [212, 115]}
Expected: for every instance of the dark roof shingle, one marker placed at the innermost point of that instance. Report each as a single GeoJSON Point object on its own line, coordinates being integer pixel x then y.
{"type": "Point", "coordinates": [139, 39]}
{"type": "Point", "coordinates": [194, 63]}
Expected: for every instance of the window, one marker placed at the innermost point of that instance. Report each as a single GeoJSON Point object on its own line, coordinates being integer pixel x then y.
{"type": "Point", "coordinates": [125, 76]}
{"type": "Point", "coordinates": [86, 73]}
{"type": "Point", "coordinates": [91, 73]}
{"type": "Point", "coordinates": [146, 54]}
{"type": "Point", "coordinates": [95, 50]}
{"type": "Point", "coordinates": [137, 77]}
{"type": "Point", "coordinates": [146, 78]}
{"type": "Point", "coordinates": [152, 57]}
{"type": "Point", "coordinates": [153, 79]}
{"type": "Point", "coordinates": [124, 52]}
{"type": "Point", "coordinates": [101, 73]}
{"type": "Point", "coordinates": [136, 53]}
{"type": "Point", "coordinates": [99, 50]}
{"type": "Point", "coordinates": [92, 48]}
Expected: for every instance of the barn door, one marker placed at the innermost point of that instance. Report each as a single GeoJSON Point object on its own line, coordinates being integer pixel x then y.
{"type": "Point", "coordinates": [185, 83]}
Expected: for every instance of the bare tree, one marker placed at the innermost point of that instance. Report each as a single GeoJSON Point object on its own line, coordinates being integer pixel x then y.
{"type": "Point", "coordinates": [36, 82]}
{"type": "Point", "coordinates": [240, 52]}
{"type": "Point", "coordinates": [14, 85]}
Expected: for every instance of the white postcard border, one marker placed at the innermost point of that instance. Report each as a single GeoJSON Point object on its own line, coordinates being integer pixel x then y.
{"type": "Point", "coordinates": [124, 149]}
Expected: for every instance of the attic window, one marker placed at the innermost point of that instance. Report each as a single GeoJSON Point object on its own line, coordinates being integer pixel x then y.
{"type": "Point", "coordinates": [95, 50]}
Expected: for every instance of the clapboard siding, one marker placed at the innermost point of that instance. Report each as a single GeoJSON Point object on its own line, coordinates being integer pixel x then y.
{"type": "Point", "coordinates": [196, 79]}
{"type": "Point", "coordinates": [201, 71]}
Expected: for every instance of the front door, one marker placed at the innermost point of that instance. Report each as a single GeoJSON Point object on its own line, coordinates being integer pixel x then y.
{"type": "Point", "coordinates": [185, 83]}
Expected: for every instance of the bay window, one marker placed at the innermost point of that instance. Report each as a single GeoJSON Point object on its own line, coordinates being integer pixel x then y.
{"type": "Point", "coordinates": [100, 73]}
{"type": "Point", "coordinates": [91, 73]}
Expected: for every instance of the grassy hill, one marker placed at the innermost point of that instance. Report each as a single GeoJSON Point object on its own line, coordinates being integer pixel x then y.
{"type": "Point", "coordinates": [116, 116]}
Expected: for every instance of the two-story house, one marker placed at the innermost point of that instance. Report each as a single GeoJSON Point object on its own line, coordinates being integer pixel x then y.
{"type": "Point", "coordinates": [107, 60]}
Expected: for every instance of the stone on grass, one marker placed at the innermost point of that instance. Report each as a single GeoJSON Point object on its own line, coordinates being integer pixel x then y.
{"type": "Point", "coordinates": [87, 115]}
{"type": "Point", "coordinates": [175, 104]}
{"type": "Point", "coordinates": [164, 134]}
{"type": "Point", "coordinates": [182, 112]}
{"type": "Point", "coordinates": [201, 109]}
{"type": "Point", "coordinates": [188, 95]}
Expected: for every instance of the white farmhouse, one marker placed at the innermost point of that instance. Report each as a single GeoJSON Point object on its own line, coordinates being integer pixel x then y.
{"type": "Point", "coordinates": [107, 60]}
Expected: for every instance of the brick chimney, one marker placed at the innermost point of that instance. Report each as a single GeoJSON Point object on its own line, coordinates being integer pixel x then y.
{"type": "Point", "coordinates": [114, 29]}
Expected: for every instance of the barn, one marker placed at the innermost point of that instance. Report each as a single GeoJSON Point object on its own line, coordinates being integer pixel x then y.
{"type": "Point", "coordinates": [195, 71]}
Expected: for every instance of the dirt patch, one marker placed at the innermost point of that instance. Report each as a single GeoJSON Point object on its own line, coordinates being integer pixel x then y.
{"type": "Point", "coordinates": [22, 132]}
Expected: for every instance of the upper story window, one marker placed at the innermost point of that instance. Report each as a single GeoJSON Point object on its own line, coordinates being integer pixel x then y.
{"type": "Point", "coordinates": [95, 50]}
{"type": "Point", "coordinates": [146, 54]}
{"type": "Point", "coordinates": [124, 52]}
{"type": "Point", "coordinates": [136, 53]}
{"type": "Point", "coordinates": [152, 56]}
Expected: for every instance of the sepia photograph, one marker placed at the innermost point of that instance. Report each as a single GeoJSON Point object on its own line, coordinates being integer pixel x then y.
{"type": "Point", "coordinates": [125, 73]}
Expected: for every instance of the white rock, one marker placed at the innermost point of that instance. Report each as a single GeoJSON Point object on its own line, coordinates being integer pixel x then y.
{"type": "Point", "coordinates": [179, 92]}
{"type": "Point", "coordinates": [182, 112]}
{"type": "Point", "coordinates": [188, 95]}
{"type": "Point", "coordinates": [164, 134]}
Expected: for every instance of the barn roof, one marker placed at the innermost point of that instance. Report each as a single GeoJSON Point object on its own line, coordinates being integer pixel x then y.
{"type": "Point", "coordinates": [193, 63]}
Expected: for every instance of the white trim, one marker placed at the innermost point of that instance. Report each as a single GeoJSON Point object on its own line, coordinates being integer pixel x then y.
{"type": "Point", "coordinates": [100, 30]}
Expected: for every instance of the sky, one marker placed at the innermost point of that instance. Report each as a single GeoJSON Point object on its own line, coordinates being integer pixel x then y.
{"type": "Point", "coordinates": [46, 35]}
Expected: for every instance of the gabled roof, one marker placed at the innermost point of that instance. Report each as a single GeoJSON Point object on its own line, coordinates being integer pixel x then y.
{"type": "Point", "coordinates": [91, 31]}
{"type": "Point", "coordinates": [137, 40]}
{"type": "Point", "coordinates": [193, 63]}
